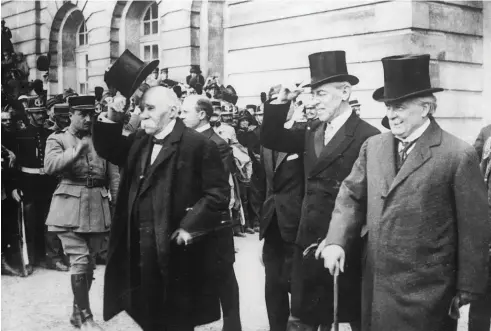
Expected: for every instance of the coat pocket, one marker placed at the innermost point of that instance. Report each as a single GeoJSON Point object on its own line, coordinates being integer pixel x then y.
{"type": "Point", "coordinates": [105, 208]}
{"type": "Point", "coordinates": [65, 207]}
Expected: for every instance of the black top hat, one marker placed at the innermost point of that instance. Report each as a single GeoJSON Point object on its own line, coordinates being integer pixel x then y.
{"type": "Point", "coordinates": [36, 104]}
{"type": "Point", "coordinates": [82, 102]}
{"type": "Point", "coordinates": [405, 76]}
{"type": "Point", "coordinates": [328, 67]}
{"type": "Point", "coordinates": [128, 72]}
{"type": "Point", "coordinates": [195, 69]}
{"type": "Point", "coordinates": [61, 109]}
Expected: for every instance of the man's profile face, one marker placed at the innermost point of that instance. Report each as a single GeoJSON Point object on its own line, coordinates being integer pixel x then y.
{"type": "Point", "coordinates": [158, 109]}
{"type": "Point", "coordinates": [80, 120]}
{"type": "Point", "coordinates": [327, 100]}
{"type": "Point", "coordinates": [405, 117]}
{"type": "Point", "coordinates": [190, 114]}
{"type": "Point", "coordinates": [39, 117]}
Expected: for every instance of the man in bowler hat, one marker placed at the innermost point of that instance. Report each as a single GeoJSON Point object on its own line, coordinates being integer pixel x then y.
{"type": "Point", "coordinates": [162, 256]}
{"type": "Point", "coordinates": [418, 194]}
{"type": "Point", "coordinates": [330, 146]}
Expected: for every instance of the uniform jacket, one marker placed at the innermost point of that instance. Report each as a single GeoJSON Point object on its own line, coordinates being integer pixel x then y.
{"type": "Point", "coordinates": [428, 229]}
{"type": "Point", "coordinates": [30, 145]}
{"type": "Point", "coordinates": [325, 167]}
{"type": "Point", "coordinates": [284, 190]}
{"type": "Point", "coordinates": [78, 207]}
{"type": "Point", "coordinates": [189, 189]}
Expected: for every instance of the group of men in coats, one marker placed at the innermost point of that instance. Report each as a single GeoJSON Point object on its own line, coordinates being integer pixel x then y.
{"type": "Point", "coordinates": [402, 215]}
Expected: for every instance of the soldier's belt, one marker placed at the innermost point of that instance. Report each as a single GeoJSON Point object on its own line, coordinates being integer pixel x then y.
{"type": "Point", "coordinates": [33, 171]}
{"type": "Point", "coordinates": [87, 182]}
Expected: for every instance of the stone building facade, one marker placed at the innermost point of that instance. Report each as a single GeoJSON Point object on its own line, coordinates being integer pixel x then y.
{"type": "Point", "coordinates": [254, 44]}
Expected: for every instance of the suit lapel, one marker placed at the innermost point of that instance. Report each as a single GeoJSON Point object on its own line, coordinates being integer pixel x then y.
{"type": "Point", "coordinates": [168, 149]}
{"type": "Point", "coordinates": [338, 144]}
{"type": "Point", "coordinates": [386, 156]}
{"type": "Point", "coordinates": [280, 159]}
{"type": "Point", "coordinates": [420, 154]}
{"type": "Point", "coordinates": [268, 161]}
{"type": "Point", "coordinates": [310, 156]}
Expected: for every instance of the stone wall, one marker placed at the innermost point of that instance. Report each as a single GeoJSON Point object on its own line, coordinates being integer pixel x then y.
{"type": "Point", "coordinates": [268, 42]}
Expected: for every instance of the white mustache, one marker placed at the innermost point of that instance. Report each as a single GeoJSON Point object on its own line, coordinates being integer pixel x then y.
{"type": "Point", "coordinates": [147, 124]}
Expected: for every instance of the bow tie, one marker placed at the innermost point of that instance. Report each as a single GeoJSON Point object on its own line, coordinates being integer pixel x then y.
{"type": "Point", "coordinates": [158, 141]}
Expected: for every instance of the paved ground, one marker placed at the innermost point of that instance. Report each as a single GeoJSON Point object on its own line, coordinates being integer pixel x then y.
{"type": "Point", "coordinates": [43, 300]}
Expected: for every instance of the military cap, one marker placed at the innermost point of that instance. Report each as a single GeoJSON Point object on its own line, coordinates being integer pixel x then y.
{"type": "Point", "coordinates": [35, 104]}
{"type": "Point", "coordinates": [82, 102]}
{"type": "Point", "coordinates": [216, 104]}
{"type": "Point", "coordinates": [61, 109]}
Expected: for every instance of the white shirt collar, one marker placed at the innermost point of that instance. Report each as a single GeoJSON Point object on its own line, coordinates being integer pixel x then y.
{"type": "Point", "coordinates": [204, 127]}
{"type": "Point", "coordinates": [417, 133]}
{"type": "Point", "coordinates": [339, 121]}
{"type": "Point", "coordinates": [166, 131]}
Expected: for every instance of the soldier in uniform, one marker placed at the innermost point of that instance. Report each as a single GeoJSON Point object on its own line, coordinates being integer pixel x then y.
{"type": "Point", "coordinates": [60, 117]}
{"type": "Point", "coordinates": [80, 213]}
{"type": "Point", "coordinates": [35, 188]}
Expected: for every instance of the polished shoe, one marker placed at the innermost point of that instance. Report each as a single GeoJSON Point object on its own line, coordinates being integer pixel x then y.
{"type": "Point", "coordinates": [249, 231]}
{"type": "Point", "coordinates": [76, 318]}
{"type": "Point", "coordinates": [239, 234]}
{"type": "Point", "coordinates": [7, 269]}
{"type": "Point", "coordinates": [81, 284]}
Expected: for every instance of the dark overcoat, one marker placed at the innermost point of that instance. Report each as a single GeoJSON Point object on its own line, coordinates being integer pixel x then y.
{"type": "Point", "coordinates": [189, 189]}
{"type": "Point", "coordinates": [325, 167]}
{"type": "Point", "coordinates": [428, 229]}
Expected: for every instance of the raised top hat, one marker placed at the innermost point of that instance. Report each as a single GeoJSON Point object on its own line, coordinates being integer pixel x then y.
{"type": "Point", "coordinates": [36, 104]}
{"type": "Point", "coordinates": [128, 72]}
{"type": "Point", "coordinates": [405, 76]}
{"type": "Point", "coordinates": [328, 67]}
{"type": "Point", "coordinates": [61, 109]}
{"type": "Point", "coordinates": [82, 102]}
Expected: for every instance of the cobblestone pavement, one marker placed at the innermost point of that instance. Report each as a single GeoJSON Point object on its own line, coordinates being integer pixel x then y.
{"type": "Point", "coordinates": [43, 300]}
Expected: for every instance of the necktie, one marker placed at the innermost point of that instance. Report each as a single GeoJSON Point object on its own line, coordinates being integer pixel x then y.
{"type": "Point", "coordinates": [404, 151]}
{"type": "Point", "coordinates": [328, 133]}
{"type": "Point", "coordinates": [158, 141]}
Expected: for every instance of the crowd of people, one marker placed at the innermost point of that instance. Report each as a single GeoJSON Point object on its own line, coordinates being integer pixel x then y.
{"type": "Point", "coordinates": [154, 177]}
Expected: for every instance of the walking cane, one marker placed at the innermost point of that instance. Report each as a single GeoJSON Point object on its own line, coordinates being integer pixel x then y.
{"type": "Point", "coordinates": [336, 298]}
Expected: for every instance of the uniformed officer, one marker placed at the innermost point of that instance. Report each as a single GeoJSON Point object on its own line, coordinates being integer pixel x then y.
{"type": "Point", "coordinates": [35, 188]}
{"type": "Point", "coordinates": [80, 209]}
{"type": "Point", "coordinates": [60, 117]}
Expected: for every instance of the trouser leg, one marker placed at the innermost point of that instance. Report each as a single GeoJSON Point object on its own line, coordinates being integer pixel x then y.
{"type": "Point", "coordinates": [480, 310]}
{"type": "Point", "coordinates": [32, 228]}
{"type": "Point", "coordinates": [229, 300]}
{"type": "Point", "coordinates": [277, 264]}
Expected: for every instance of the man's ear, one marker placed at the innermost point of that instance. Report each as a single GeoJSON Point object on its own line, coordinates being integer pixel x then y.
{"type": "Point", "coordinates": [346, 92]}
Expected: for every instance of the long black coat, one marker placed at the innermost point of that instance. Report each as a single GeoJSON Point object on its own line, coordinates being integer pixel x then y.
{"type": "Point", "coordinates": [323, 174]}
{"type": "Point", "coordinates": [189, 189]}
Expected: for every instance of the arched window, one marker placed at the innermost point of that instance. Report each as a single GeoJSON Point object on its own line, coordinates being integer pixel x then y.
{"type": "Point", "coordinates": [82, 35]}
{"type": "Point", "coordinates": [150, 22]}
{"type": "Point", "coordinates": [149, 40]}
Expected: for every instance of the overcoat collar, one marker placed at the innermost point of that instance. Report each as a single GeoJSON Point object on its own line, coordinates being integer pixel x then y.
{"type": "Point", "coordinates": [420, 154]}
{"type": "Point", "coordinates": [338, 144]}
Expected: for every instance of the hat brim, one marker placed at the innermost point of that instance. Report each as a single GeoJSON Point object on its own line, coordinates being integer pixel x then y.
{"type": "Point", "coordinates": [83, 107]}
{"type": "Point", "coordinates": [378, 94]}
{"type": "Point", "coordinates": [353, 80]}
{"type": "Point", "coordinates": [142, 75]}
{"type": "Point", "coordinates": [36, 109]}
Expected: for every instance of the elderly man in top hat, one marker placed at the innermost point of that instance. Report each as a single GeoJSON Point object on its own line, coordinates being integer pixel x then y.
{"type": "Point", "coordinates": [330, 146]}
{"type": "Point", "coordinates": [35, 187]}
{"type": "Point", "coordinates": [162, 258]}
{"type": "Point", "coordinates": [418, 194]}
{"type": "Point", "coordinates": [79, 212]}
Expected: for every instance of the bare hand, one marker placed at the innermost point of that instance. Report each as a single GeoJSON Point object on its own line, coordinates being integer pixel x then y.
{"type": "Point", "coordinates": [115, 108]}
{"type": "Point", "coordinates": [285, 94]}
{"type": "Point", "coordinates": [17, 195]}
{"type": "Point", "coordinates": [333, 256]}
{"type": "Point", "coordinates": [181, 236]}
{"type": "Point", "coordinates": [12, 158]}
{"type": "Point", "coordinates": [82, 145]}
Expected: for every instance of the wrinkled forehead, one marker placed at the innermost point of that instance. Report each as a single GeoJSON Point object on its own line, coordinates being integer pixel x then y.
{"type": "Point", "coordinates": [330, 86]}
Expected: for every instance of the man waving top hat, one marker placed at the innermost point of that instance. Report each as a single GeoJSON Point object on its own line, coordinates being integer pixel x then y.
{"type": "Point", "coordinates": [418, 194]}
{"type": "Point", "coordinates": [330, 146]}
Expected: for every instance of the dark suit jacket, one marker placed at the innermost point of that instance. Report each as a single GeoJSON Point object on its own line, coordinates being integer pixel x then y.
{"type": "Point", "coordinates": [484, 134]}
{"type": "Point", "coordinates": [188, 188]}
{"type": "Point", "coordinates": [284, 189]}
{"type": "Point", "coordinates": [224, 149]}
{"type": "Point", "coordinates": [428, 229]}
{"type": "Point", "coordinates": [325, 167]}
